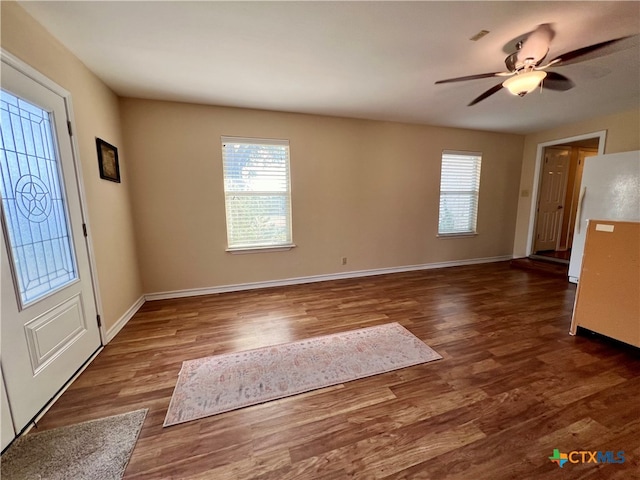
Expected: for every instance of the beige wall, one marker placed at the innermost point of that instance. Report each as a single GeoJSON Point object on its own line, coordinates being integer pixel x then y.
{"type": "Point", "coordinates": [623, 134]}
{"type": "Point", "coordinates": [362, 189]}
{"type": "Point", "coordinates": [96, 112]}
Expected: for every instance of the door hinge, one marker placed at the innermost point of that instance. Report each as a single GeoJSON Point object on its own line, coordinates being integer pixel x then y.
{"type": "Point", "coordinates": [99, 320]}
{"type": "Point", "coordinates": [69, 128]}
{"type": "Point", "coordinates": [84, 229]}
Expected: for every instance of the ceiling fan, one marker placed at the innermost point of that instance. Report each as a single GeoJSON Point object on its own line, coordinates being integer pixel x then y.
{"type": "Point", "coordinates": [525, 72]}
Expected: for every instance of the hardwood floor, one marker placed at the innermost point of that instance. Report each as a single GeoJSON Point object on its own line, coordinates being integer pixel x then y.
{"type": "Point", "coordinates": [542, 266]}
{"type": "Point", "coordinates": [512, 386]}
{"type": "Point", "coordinates": [556, 254]}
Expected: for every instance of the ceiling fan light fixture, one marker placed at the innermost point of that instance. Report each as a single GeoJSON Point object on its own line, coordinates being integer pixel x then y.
{"type": "Point", "coordinates": [523, 83]}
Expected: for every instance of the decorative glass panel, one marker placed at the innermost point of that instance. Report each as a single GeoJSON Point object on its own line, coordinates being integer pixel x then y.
{"type": "Point", "coordinates": [33, 201]}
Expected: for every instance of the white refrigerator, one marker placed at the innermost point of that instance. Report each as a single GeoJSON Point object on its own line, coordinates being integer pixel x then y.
{"type": "Point", "coordinates": [610, 190]}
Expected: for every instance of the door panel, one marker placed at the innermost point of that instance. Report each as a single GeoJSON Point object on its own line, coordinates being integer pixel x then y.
{"type": "Point", "coordinates": [551, 202]}
{"type": "Point", "coordinates": [575, 193]}
{"type": "Point", "coordinates": [50, 333]}
{"type": "Point", "coordinates": [49, 327]}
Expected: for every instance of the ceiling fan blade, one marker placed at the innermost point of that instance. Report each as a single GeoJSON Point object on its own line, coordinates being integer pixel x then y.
{"type": "Point", "coordinates": [555, 81]}
{"type": "Point", "coordinates": [486, 94]}
{"type": "Point", "coordinates": [536, 45]}
{"type": "Point", "coordinates": [474, 77]}
{"type": "Point", "coordinates": [590, 52]}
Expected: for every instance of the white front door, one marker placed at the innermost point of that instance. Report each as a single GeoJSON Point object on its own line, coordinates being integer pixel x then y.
{"type": "Point", "coordinates": [49, 324]}
{"type": "Point", "coordinates": [552, 194]}
{"type": "Point", "coordinates": [7, 433]}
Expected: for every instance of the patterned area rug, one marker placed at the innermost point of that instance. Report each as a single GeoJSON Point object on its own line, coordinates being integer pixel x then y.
{"type": "Point", "coordinates": [97, 449]}
{"type": "Point", "coordinates": [212, 385]}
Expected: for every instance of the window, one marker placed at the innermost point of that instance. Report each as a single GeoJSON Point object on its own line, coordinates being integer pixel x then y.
{"type": "Point", "coordinates": [33, 200]}
{"type": "Point", "coordinates": [459, 186]}
{"type": "Point", "coordinates": [257, 193]}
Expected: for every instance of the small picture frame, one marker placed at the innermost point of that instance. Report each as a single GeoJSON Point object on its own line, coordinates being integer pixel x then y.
{"type": "Point", "coordinates": [108, 161]}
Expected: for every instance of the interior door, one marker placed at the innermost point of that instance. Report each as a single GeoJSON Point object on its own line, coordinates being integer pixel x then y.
{"type": "Point", "coordinates": [575, 194]}
{"type": "Point", "coordinates": [49, 327]}
{"type": "Point", "coordinates": [551, 198]}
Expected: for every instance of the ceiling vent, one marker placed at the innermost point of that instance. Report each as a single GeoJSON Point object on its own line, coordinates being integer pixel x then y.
{"type": "Point", "coordinates": [479, 35]}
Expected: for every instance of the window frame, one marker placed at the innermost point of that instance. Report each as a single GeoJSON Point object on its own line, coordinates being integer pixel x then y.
{"type": "Point", "coordinates": [256, 247]}
{"type": "Point", "coordinates": [472, 231]}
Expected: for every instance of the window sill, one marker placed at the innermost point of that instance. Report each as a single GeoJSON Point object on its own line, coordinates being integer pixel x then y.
{"type": "Point", "coordinates": [457, 235]}
{"type": "Point", "coordinates": [267, 249]}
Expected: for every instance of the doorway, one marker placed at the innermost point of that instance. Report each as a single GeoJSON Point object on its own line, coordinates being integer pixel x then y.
{"type": "Point", "coordinates": [49, 322]}
{"type": "Point", "coordinates": [557, 188]}
{"type": "Point", "coordinates": [553, 184]}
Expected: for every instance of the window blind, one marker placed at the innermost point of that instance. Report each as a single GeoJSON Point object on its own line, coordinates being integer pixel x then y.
{"type": "Point", "coordinates": [459, 187]}
{"type": "Point", "coordinates": [257, 192]}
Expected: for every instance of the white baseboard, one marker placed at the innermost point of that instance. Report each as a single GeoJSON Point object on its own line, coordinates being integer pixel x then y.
{"type": "Point", "coordinates": [113, 331]}
{"type": "Point", "coordinates": [317, 278]}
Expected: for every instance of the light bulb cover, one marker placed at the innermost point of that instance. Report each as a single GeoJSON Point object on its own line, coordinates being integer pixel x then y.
{"type": "Point", "coordinates": [523, 83]}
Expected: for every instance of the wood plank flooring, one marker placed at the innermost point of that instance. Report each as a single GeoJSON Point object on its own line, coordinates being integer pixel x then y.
{"type": "Point", "coordinates": [513, 385]}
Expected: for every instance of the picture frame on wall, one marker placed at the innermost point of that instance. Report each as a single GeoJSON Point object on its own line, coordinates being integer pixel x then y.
{"type": "Point", "coordinates": [108, 161]}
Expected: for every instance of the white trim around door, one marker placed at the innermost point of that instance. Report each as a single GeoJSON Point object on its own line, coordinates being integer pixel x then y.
{"type": "Point", "coordinates": [601, 135]}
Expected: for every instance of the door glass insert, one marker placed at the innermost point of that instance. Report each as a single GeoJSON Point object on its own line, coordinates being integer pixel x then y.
{"type": "Point", "coordinates": [33, 200]}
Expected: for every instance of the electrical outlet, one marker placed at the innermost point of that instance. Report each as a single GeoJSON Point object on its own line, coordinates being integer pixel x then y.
{"type": "Point", "coordinates": [344, 260]}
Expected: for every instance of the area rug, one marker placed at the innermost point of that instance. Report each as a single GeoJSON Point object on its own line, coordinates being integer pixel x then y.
{"type": "Point", "coordinates": [97, 449]}
{"type": "Point", "coordinates": [212, 385]}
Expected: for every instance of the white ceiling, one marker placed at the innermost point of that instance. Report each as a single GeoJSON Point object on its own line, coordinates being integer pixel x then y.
{"type": "Point", "coordinates": [375, 60]}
